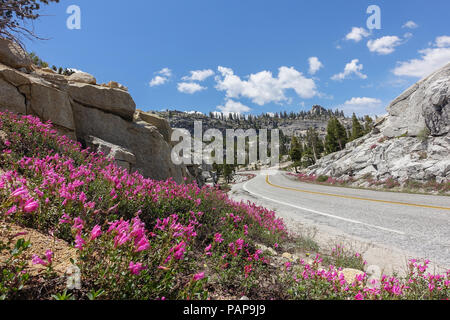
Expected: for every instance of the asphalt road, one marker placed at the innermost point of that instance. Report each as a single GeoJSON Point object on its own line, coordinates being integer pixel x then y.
{"type": "Point", "coordinates": [416, 224]}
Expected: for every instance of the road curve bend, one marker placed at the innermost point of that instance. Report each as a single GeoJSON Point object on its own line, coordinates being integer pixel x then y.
{"type": "Point", "coordinates": [417, 224]}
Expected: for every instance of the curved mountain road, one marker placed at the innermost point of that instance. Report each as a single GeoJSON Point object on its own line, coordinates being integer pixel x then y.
{"type": "Point", "coordinates": [417, 225]}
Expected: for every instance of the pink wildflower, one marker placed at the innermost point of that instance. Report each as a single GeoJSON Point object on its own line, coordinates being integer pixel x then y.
{"type": "Point", "coordinates": [96, 232]}
{"type": "Point", "coordinates": [79, 242]}
{"type": "Point", "coordinates": [199, 276]}
{"type": "Point", "coordinates": [288, 266]}
{"type": "Point", "coordinates": [247, 270]}
{"type": "Point", "coordinates": [208, 250]}
{"type": "Point", "coordinates": [143, 245]}
{"type": "Point", "coordinates": [19, 192]}
{"type": "Point", "coordinates": [37, 260]}
{"type": "Point", "coordinates": [179, 250]}
{"type": "Point", "coordinates": [49, 256]}
{"type": "Point", "coordinates": [239, 244]}
{"type": "Point", "coordinates": [359, 296]}
{"type": "Point", "coordinates": [135, 268]}
{"type": "Point", "coordinates": [218, 238]}
{"type": "Point", "coordinates": [11, 211]}
{"type": "Point", "coordinates": [31, 206]}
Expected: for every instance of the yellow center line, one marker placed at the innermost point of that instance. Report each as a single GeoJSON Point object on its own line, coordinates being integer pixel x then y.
{"type": "Point", "coordinates": [355, 198]}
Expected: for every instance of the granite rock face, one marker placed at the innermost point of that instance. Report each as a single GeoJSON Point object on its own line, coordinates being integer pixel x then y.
{"type": "Point", "coordinates": [12, 55]}
{"type": "Point", "coordinates": [411, 142]}
{"type": "Point", "coordinates": [83, 77]}
{"type": "Point", "coordinates": [424, 106]}
{"type": "Point", "coordinates": [113, 101]}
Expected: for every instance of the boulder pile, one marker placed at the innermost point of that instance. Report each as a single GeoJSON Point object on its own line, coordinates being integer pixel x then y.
{"type": "Point", "coordinates": [103, 117]}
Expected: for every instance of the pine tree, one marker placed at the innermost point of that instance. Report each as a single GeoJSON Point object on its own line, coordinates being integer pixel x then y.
{"type": "Point", "coordinates": [331, 141]}
{"type": "Point", "coordinates": [314, 143]}
{"type": "Point", "coordinates": [228, 172]}
{"type": "Point", "coordinates": [368, 124]}
{"type": "Point", "coordinates": [308, 157]}
{"type": "Point", "coordinates": [296, 153]}
{"type": "Point", "coordinates": [357, 129]}
{"type": "Point", "coordinates": [16, 18]}
{"type": "Point", "coordinates": [341, 134]}
{"type": "Point", "coordinates": [336, 137]}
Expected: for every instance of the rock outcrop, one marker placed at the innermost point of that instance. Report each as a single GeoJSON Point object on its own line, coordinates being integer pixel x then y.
{"type": "Point", "coordinates": [115, 101]}
{"type": "Point", "coordinates": [83, 77]}
{"type": "Point", "coordinates": [12, 55]}
{"type": "Point", "coordinates": [411, 142]}
{"type": "Point", "coordinates": [102, 117]}
{"type": "Point", "coordinates": [425, 105]}
{"type": "Point", "coordinates": [154, 120]}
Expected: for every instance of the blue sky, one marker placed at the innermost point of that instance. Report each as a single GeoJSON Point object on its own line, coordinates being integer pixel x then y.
{"type": "Point", "coordinates": [255, 55]}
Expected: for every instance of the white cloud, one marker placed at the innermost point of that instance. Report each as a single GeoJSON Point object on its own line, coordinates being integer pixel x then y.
{"type": "Point", "coordinates": [190, 87]}
{"type": "Point", "coordinates": [166, 72]}
{"type": "Point", "coordinates": [232, 106]}
{"type": "Point", "coordinates": [199, 75]}
{"type": "Point", "coordinates": [408, 35]}
{"type": "Point", "coordinates": [157, 81]}
{"type": "Point", "coordinates": [162, 77]}
{"type": "Point", "coordinates": [443, 42]}
{"type": "Point", "coordinates": [410, 25]}
{"type": "Point", "coordinates": [431, 60]}
{"type": "Point", "coordinates": [314, 65]}
{"type": "Point", "coordinates": [384, 45]}
{"type": "Point", "coordinates": [362, 106]}
{"type": "Point", "coordinates": [350, 68]}
{"type": "Point", "coordinates": [263, 88]}
{"type": "Point", "coordinates": [357, 34]}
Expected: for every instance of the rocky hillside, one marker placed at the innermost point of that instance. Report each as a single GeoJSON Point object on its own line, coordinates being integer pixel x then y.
{"type": "Point", "coordinates": [290, 124]}
{"type": "Point", "coordinates": [103, 117]}
{"type": "Point", "coordinates": [411, 142]}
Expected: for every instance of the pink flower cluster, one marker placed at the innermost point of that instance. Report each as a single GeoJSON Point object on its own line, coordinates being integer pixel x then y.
{"type": "Point", "coordinates": [20, 197]}
{"type": "Point", "coordinates": [134, 233]}
{"type": "Point", "coordinates": [38, 260]}
{"type": "Point", "coordinates": [361, 288]}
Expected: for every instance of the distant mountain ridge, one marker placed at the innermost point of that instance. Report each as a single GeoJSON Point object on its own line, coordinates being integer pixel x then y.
{"type": "Point", "coordinates": [292, 124]}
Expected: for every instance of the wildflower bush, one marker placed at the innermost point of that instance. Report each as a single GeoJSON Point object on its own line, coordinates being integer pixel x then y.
{"type": "Point", "coordinates": [322, 179]}
{"type": "Point", "coordinates": [311, 282]}
{"type": "Point", "coordinates": [138, 238]}
{"type": "Point", "coordinates": [344, 258]}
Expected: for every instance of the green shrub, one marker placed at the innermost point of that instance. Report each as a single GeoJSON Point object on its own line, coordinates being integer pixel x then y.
{"type": "Point", "coordinates": [13, 276]}
{"type": "Point", "coordinates": [424, 134]}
